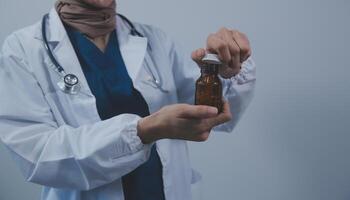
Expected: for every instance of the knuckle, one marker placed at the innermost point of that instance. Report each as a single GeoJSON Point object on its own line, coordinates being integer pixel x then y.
{"type": "Point", "coordinates": [249, 53]}
{"type": "Point", "coordinates": [194, 54]}
{"type": "Point", "coordinates": [201, 129]}
{"type": "Point", "coordinates": [235, 49]}
{"type": "Point", "coordinates": [182, 108]}
{"type": "Point", "coordinates": [222, 46]}
{"type": "Point", "coordinates": [211, 36]}
{"type": "Point", "coordinates": [241, 33]}
{"type": "Point", "coordinates": [234, 32]}
{"type": "Point", "coordinates": [198, 52]}
{"type": "Point", "coordinates": [204, 126]}
{"type": "Point", "coordinates": [203, 137]}
{"type": "Point", "coordinates": [223, 29]}
{"type": "Point", "coordinates": [245, 50]}
{"type": "Point", "coordinates": [244, 36]}
{"type": "Point", "coordinates": [228, 117]}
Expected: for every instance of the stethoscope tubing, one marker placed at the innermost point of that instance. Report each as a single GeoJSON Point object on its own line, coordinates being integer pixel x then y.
{"type": "Point", "coordinates": [157, 81]}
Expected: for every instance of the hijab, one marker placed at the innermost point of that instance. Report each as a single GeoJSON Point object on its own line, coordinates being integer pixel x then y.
{"type": "Point", "coordinates": [91, 20]}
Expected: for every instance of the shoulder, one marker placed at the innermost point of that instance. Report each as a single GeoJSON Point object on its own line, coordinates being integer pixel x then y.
{"type": "Point", "coordinates": [164, 44]}
{"type": "Point", "coordinates": [20, 40]}
{"type": "Point", "coordinates": [155, 35]}
{"type": "Point", "coordinates": [150, 30]}
{"type": "Point", "coordinates": [17, 47]}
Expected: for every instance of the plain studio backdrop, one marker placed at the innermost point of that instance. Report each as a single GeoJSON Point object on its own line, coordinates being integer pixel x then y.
{"type": "Point", "coordinates": [293, 143]}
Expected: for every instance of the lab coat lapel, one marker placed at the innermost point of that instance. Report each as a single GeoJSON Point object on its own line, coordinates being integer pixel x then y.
{"type": "Point", "coordinates": [133, 48]}
{"type": "Point", "coordinates": [64, 51]}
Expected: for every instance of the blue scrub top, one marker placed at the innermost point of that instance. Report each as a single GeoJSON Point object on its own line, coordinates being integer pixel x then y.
{"type": "Point", "coordinates": [115, 94]}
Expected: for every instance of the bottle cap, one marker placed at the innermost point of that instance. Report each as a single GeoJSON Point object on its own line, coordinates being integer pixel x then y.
{"type": "Point", "coordinates": [211, 59]}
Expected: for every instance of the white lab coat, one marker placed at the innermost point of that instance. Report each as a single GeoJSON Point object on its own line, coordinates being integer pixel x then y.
{"type": "Point", "coordinates": [59, 141]}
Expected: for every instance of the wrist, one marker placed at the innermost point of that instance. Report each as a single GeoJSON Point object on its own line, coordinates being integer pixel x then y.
{"type": "Point", "coordinates": [146, 130]}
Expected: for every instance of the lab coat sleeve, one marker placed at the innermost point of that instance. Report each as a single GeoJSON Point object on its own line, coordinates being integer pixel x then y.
{"type": "Point", "coordinates": [80, 158]}
{"type": "Point", "coordinates": [238, 90]}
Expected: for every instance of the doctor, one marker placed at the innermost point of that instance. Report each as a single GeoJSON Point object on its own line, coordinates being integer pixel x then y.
{"type": "Point", "coordinates": [122, 134]}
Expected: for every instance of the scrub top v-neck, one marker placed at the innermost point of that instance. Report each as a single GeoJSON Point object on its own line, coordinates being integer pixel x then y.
{"type": "Point", "coordinates": [115, 94]}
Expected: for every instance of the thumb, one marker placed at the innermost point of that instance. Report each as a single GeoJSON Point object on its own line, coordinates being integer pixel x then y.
{"type": "Point", "coordinates": [197, 112]}
{"type": "Point", "coordinates": [198, 55]}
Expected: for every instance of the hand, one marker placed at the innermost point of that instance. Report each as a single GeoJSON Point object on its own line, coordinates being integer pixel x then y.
{"type": "Point", "coordinates": [232, 47]}
{"type": "Point", "coordinates": [182, 121]}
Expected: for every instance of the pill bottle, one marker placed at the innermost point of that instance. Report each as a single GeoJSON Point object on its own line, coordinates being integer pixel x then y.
{"type": "Point", "coordinates": [208, 86]}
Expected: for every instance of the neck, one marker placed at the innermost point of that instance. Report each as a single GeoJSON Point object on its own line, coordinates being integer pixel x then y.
{"type": "Point", "coordinates": [101, 42]}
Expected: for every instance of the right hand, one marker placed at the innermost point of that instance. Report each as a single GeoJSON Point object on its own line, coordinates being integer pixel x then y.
{"type": "Point", "coordinates": [182, 121]}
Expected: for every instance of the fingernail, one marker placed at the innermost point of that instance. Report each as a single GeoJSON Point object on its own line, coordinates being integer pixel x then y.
{"type": "Point", "coordinates": [212, 110]}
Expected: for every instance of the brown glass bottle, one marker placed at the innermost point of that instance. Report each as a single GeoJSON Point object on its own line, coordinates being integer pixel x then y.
{"type": "Point", "coordinates": [208, 86]}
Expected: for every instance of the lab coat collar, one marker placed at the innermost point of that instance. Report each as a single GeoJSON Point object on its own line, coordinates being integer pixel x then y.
{"type": "Point", "coordinates": [133, 48]}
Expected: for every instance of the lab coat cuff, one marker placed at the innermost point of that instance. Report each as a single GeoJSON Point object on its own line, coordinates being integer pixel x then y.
{"type": "Point", "coordinates": [247, 74]}
{"type": "Point", "coordinates": [133, 139]}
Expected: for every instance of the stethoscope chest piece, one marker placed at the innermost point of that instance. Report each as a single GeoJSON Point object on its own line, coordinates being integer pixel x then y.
{"type": "Point", "coordinates": [69, 84]}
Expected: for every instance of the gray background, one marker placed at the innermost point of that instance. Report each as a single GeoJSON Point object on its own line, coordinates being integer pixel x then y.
{"type": "Point", "coordinates": [293, 142]}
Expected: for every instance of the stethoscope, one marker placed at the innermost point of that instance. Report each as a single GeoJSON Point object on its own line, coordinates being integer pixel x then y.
{"type": "Point", "coordinates": [70, 84]}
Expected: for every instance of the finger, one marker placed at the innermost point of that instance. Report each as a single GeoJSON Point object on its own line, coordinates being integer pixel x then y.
{"type": "Point", "coordinates": [226, 35]}
{"type": "Point", "coordinates": [243, 43]}
{"type": "Point", "coordinates": [198, 55]}
{"type": "Point", "coordinates": [217, 45]}
{"type": "Point", "coordinates": [223, 117]}
{"type": "Point", "coordinates": [234, 63]}
{"type": "Point", "coordinates": [197, 111]}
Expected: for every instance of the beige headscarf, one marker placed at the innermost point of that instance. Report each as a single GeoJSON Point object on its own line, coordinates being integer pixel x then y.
{"type": "Point", "coordinates": [90, 20]}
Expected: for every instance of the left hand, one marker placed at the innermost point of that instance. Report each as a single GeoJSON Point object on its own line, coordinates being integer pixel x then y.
{"type": "Point", "coordinates": [232, 47]}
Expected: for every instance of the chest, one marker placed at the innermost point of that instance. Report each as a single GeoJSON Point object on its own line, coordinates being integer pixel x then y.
{"type": "Point", "coordinates": [152, 78]}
